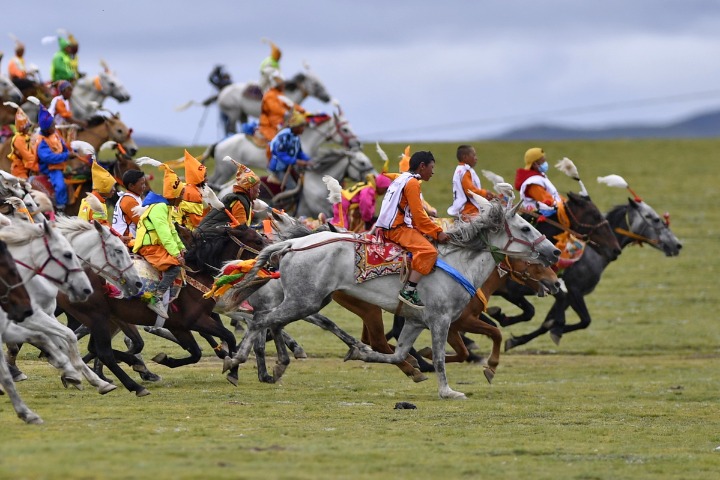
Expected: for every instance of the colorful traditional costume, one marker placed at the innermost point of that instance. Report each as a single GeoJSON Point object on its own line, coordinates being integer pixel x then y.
{"type": "Point", "coordinates": [103, 186]}
{"type": "Point", "coordinates": [23, 158]}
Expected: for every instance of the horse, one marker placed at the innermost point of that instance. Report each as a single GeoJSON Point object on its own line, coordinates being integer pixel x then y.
{"type": "Point", "coordinates": [239, 101]}
{"type": "Point", "coordinates": [635, 223]}
{"type": "Point", "coordinates": [90, 93]}
{"type": "Point", "coordinates": [9, 92]}
{"type": "Point", "coordinates": [321, 128]}
{"type": "Point", "coordinates": [326, 260]}
{"type": "Point", "coordinates": [190, 311]}
{"type": "Point", "coordinates": [15, 306]}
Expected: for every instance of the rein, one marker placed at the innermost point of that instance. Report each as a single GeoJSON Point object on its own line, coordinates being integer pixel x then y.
{"type": "Point", "coordinates": [592, 228]}
{"type": "Point", "coordinates": [51, 258]}
{"type": "Point", "coordinates": [639, 239]}
{"type": "Point", "coordinates": [243, 247]}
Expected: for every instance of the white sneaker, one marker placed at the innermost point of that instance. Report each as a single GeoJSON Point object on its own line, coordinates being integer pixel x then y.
{"type": "Point", "coordinates": [159, 308]}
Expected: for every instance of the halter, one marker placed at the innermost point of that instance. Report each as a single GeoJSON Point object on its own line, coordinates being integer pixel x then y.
{"type": "Point", "coordinates": [120, 277]}
{"type": "Point", "coordinates": [51, 258]}
{"type": "Point", "coordinates": [534, 253]}
{"type": "Point", "coordinates": [636, 237]}
{"type": "Point", "coordinates": [505, 268]}
{"type": "Point", "coordinates": [346, 138]}
{"type": "Point", "coordinates": [243, 247]}
{"type": "Point", "coordinates": [591, 228]}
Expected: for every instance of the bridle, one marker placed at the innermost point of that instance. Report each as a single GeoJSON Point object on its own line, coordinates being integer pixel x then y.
{"type": "Point", "coordinates": [591, 228]}
{"type": "Point", "coordinates": [534, 253]}
{"type": "Point", "coordinates": [51, 259]}
{"type": "Point", "coordinates": [243, 247]}
{"type": "Point", "coordinates": [637, 237]}
{"type": "Point", "coordinates": [506, 268]}
{"type": "Point", "coordinates": [120, 277]}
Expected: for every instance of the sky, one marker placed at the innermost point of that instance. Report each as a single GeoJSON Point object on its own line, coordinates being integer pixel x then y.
{"type": "Point", "coordinates": [402, 70]}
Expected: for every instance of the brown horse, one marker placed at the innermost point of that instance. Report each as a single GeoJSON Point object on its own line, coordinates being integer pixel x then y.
{"type": "Point", "coordinates": [189, 312]}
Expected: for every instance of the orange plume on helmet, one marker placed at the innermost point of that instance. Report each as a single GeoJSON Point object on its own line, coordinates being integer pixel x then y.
{"type": "Point", "coordinates": [195, 172]}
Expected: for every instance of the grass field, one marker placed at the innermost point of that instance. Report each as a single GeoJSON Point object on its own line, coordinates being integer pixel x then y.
{"type": "Point", "coordinates": [636, 396]}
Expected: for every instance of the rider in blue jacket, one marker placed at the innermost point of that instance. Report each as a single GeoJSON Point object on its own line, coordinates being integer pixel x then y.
{"type": "Point", "coordinates": [286, 150]}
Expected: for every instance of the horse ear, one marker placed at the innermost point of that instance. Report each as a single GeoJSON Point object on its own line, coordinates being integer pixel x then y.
{"type": "Point", "coordinates": [632, 203]}
{"type": "Point", "coordinates": [97, 226]}
{"type": "Point", "coordinates": [116, 115]}
{"type": "Point", "coordinates": [512, 212]}
{"type": "Point", "coordinates": [46, 227]}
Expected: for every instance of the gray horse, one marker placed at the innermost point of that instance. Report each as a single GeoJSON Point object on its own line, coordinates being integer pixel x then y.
{"type": "Point", "coordinates": [326, 261]}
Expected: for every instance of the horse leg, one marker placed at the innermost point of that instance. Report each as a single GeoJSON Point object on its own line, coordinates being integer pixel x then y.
{"type": "Point", "coordinates": [326, 324]}
{"type": "Point", "coordinates": [577, 302]}
{"type": "Point", "coordinates": [22, 410]}
{"type": "Point", "coordinates": [188, 343]}
{"type": "Point", "coordinates": [414, 358]}
{"type": "Point", "coordinates": [528, 311]}
{"type": "Point", "coordinates": [12, 353]}
{"type": "Point", "coordinates": [260, 361]}
{"type": "Point", "coordinates": [293, 345]}
{"type": "Point", "coordinates": [283, 359]}
{"type": "Point", "coordinates": [439, 334]}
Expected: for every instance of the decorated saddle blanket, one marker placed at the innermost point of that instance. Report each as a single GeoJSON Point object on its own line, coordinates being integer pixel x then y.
{"type": "Point", "coordinates": [233, 273]}
{"type": "Point", "coordinates": [253, 92]}
{"type": "Point", "coordinates": [150, 278]}
{"type": "Point", "coordinates": [376, 257]}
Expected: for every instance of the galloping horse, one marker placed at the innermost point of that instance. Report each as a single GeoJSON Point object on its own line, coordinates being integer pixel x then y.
{"type": "Point", "coordinates": [326, 260]}
{"type": "Point", "coordinates": [321, 128]}
{"type": "Point", "coordinates": [633, 223]}
{"type": "Point", "coordinates": [242, 100]}
{"type": "Point", "coordinates": [90, 93]}
{"type": "Point", "coordinates": [14, 306]}
{"type": "Point", "coordinates": [190, 311]}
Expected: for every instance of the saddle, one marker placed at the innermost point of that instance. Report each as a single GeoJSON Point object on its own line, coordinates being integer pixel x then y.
{"type": "Point", "coordinates": [150, 278]}
{"type": "Point", "coordinates": [258, 139]}
{"type": "Point", "coordinates": [253, 92]}
{"type": "Point", "coordinates": [376, 257]}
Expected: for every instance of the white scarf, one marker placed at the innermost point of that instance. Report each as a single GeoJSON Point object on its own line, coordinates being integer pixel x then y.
{"type": "Point", "coordinates": [460, 197]}
{"type": "Point", "coordinates": [391, 203]}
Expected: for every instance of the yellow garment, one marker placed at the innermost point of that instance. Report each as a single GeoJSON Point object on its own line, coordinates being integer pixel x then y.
{"type": "Point", "coordinates": [87, 213]}
{"type": "Point", "coordinates": [21, 120]}
{"type": "Point", "coordinates": [189, 214]}
{"type": "Point", "coordinates": [102, 181]}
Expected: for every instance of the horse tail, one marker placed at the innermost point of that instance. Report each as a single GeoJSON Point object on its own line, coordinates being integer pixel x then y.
{"type": "Point", "coordinates": [270, 255]}
{"type": "Point", "coordinates": [209, 152]}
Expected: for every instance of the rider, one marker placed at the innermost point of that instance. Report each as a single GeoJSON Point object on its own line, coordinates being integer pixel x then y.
{"type": "Point", "coordinates": [124, 219]}
{"type": "Point", "coordinates": [286, 150]}
{"type": "Point", "coordinates": [64, 64]}
{"type": "Point", "coordinates": [62, 111]}
{"type": "Point", "coordinates": [103, 188]}
{"type": "Point", "coordinates": [238, 203]}
{"type": "Point", "coordinates": [405, 222]}
{"type": "Point", "coordinates": [465, 179]}
{"type": "Point", "coordinates": [23, 158]}
{"type": "Point", "coordinates": [191, 210]}
{"type": "Point", "coordinates": [219, 78]}
{"type": "Point", "coordinates": [273, 110]}
{"type": "Point", "coordinates": [52, 154]}
{"type": "Point", "coordinates": [269, 67]}
{"type": "Point", "coordinates": [358, 203]}
{"type": "Point", "coordinates": [17, 70]}
{"type": "Point", "coordinates": [158, 241]}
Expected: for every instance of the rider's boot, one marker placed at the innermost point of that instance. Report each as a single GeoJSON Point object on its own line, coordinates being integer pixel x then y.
{"type": "Point", "coordinates": [410, 296]}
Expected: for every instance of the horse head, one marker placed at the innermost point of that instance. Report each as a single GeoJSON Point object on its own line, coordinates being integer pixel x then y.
{"type": "Point", "coordinates": [120, 133]}
{"type": "Point", "coordinates": [359, 166]}
{"type": "Point", "coordinates": [587, 220]}
{"type": "Point", "coordinates": [646, 224]}
{"type": "Point", "coordinates": [116, 264]}
{"type": "Point", "coordinates": [14, 299]}
{"type": "Point", "coordinates": [541, 279]}
{"type": "Point", "coordinates": [523, 237]}
{"type": "Point", "coordinates": [8, 91]}
{"type": "Point", "coordinates": [110, 85]}
{"type": "Point", "coordinates": [344, 134]}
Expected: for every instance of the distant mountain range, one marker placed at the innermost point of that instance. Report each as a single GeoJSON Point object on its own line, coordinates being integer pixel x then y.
{"type": "Point", "coordinates": [704, 125]}
{"type": "Point", "coordinates": [153, 141]}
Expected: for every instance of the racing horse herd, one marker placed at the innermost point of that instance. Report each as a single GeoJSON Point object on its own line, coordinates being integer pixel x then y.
{"type": "Point", "coordinates": [83, 270]}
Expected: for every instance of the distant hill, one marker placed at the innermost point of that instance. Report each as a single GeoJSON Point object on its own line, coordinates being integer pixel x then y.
{"type": "Point", "coordinates": [705, 125]}
{"type": "Point", "coordinates": [154, 141]}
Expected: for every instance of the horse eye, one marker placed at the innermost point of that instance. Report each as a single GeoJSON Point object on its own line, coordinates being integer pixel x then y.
{"type": "Point", "coordinates": [525, 229]}
{"type": "Point", "coordinates": [656, 220]}
{"type": "Point", "coordinates": [119, 130]}
{"type": "Point", "coordinates": [112, 84]}
{"type": "Point", "coordinates": [67, 255]}
{"type": "Point", "coordinates": [118, 251]}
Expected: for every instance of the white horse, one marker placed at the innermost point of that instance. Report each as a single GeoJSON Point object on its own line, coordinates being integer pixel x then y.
{"type": "Point", "coordinates": [327, 262]}
{"type": "Point", "coordinates": [90, 93]}
{"type": "Point", "coordinates": [321, 128]}
{"type": "Point", "coordinates": [242, 100]}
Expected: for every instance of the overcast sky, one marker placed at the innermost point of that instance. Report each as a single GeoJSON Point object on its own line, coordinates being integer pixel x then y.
{"type": "Point", "coordinates": [403, 70]}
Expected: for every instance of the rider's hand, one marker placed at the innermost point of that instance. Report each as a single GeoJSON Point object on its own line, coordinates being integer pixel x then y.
{"type": "Point", "coordinates": [443, 237]}
{"type": "Point", "coordinates": [303, 163]}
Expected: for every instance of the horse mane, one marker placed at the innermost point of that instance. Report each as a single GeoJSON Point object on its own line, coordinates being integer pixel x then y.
{"type": "Point", "coordinates": [210, 246]}
{"type": "Point", "coordinates": [71, 225]}
{"type": "Point", "coordinates": [20, 233]}
{"type": "Point", "coordinates": [473, 234]}
{"type": "Point", "coordinates": [614, 216]}
{"type": "Point", "coordinates": [96, 120]}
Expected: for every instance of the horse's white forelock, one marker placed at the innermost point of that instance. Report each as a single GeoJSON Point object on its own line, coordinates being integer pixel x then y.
{"type": "Point", "coordinates": [73, 224]}
{"type": "Point", "coordinates": [20, 233]}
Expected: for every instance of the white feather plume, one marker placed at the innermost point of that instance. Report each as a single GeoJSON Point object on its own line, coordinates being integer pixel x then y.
{"type": "Point", "coordinates": [83, 148]}
{"type": "Point", "coordinates": [94, 203]}
{"type": "Point", "coordinates": [259, 205]}
{"type": "Point", "coordinates": [139, 210]}
{"type": "Point", "coordinates": [613, 181]}
{"type": "Point", "coordinates": [568, 168]}
{"type": "Point", "coordinates": [11, 104]}
{"type": "Point", "coordinates": [210, 198]}
{"type": "Point", "coordinates": [506, 190]}
{"type": "Point", "coordinates": [33, 100]}
{"type": "Point", "coordinates": [109, 145]}
{"type": "Point", "coordinates": [228, 158]}
{"type": "Point", "coordinates": [49, 39]}
{"type": "Point", "coordinates": [334, 188]}
{"type": "Point", "coordinates": [492, 176]}
{"type": "Point", "coordinates": [147, 161]}
{"type": "Point", "coordinates": [44, 204]}
{"type": "Point", "coordinates": [185, 106]}
{"type": "Point", "coordinates": [381, 152]}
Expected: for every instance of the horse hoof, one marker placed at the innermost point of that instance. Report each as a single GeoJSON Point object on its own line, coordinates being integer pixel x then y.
{"type": "Point", "coordinates": [474, 358]}
{"type": "Point", "coordinates": [143, 392]}
{"type": "Point", "coordinates": [352, 354]}
{"type": "Point", "coordinates": [278, 371]}
{"type": "Point", "coordinates": [510, 343]}
{"type": "Point", "coordinates": [453, 395]}
{"type": "Point", "coordinates": [148, 376]}
{"type": "Point", "coordinates": [227, 364]}
{"type": "Point", "coordinates": [418, 376]}
{"type": "Point", "coordinates": [107, 388]}
{"type": "Point", "coordinates": [555, 337]}
{"type": "Point", "coordinates": [265, 378]}
{"type": "Point", "coordinates": [232, 379]}
{"type": "Point", "coordinates": [33, 419]}
{"type": "Point", "coordinates": [299, 353]}
{"type": "Point", "coordinates": [20, 378]}
{"type": "Point", "coordinates": [425, 352]}
{"type": "Point", "coordinates": [75, 382]}
{"type": "Point", "coordinates": [489, 375]}
{"type": "Point", "coordinates": [160, 358]}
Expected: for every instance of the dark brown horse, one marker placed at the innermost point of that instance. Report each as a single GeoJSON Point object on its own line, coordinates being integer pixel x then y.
{"type": "Point", "coordinates": [189, 312]}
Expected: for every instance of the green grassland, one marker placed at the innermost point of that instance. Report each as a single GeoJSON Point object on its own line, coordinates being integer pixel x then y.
{"type": "Point", "coordinates": [635, 396]}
